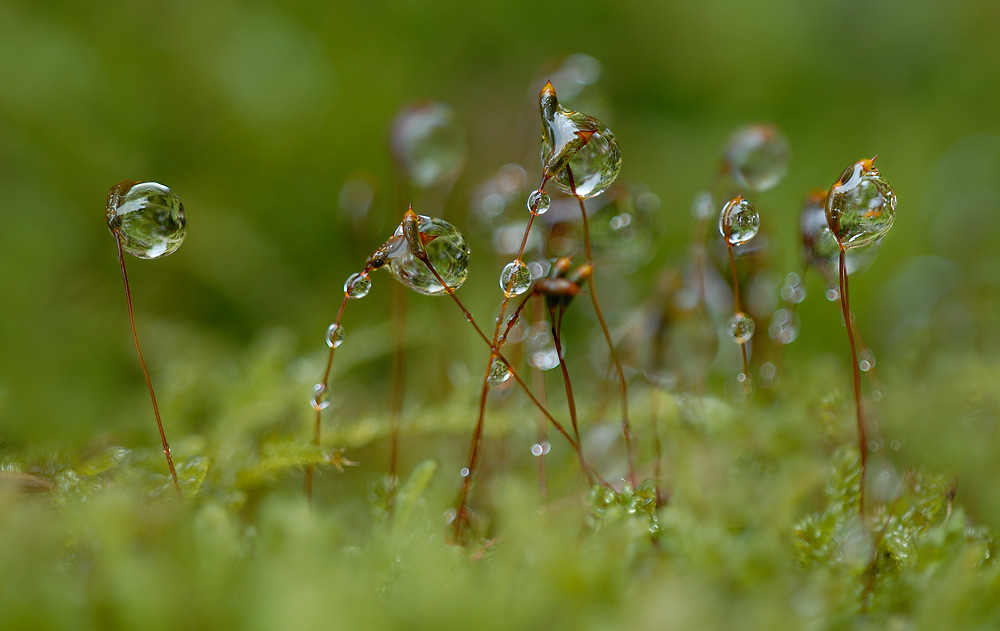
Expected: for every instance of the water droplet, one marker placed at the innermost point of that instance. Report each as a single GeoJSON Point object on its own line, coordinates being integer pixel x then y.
{"type": "Point", "coordinates": [428, 143]}
{"type": "Point", "coordinates": [357, 285]}
{"type": "Point", "coordinates": [738, 221]}
{"type": "Point", "coordinates": [896, 445]}
{"type": "Point", "coordinates": [784, 327]}
{"type": "Point", "coordinates": [499, 373]}
{"type": "Point", "coordinates": [793, 290]}
{"type": "Point", "coordinates": [147, 217]}
{"type": "Point", "coordinates": [580, 142]}
{"type": "Point", "coordinates": [866, 359]}
{"type": "Point", "coordinates": [757, 156]}
{"type": "Point", "coordinates": [515, 279]}
{"type": "Point", "coordinates": [321, 397]}
{"type": "Point", "coordinates": [832, 294]}
{"type": "Point", "coordinates": [334, 335]}
{"type": "Point", "coordinates": [821, 249]}
{"type": "Point", "coordinates": [860, 206]}
{"type": "Point", "coordinates": [446, 250]}
{"type": "Point", "coordinates": [540, 449]}
{"type": "Point", "coordinates": [701, 205]}
{"type": "Point", "coordinates": [767, 375]}
{"type": "Point", "coordinates": [464, 472]}
{"type": "Point", "coordinates": [741, 327]}
{"type": "Point", "coordinates": [539, 202]}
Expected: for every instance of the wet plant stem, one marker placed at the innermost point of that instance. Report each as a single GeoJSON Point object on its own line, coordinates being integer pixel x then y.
{"type": "Point", "coordinates": [738, 305]}
{"type": "Point", "coordinates": [145, 371]}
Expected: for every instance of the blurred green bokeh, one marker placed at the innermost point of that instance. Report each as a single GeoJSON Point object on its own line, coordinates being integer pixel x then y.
{"type": "Point", "coordinates": [257, 113]}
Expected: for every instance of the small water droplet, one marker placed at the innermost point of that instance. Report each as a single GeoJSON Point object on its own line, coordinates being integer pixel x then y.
{"type": "Point", "coordinates": [580, 142]}
{"type": "Point", "coordinates": [757, 156]}
{"type": "Point", "coordinates": [832, 294]}
{"type": "Point", "coordinates": [147, 217]}
{"type": "Point", "coordinates": [446, 251]}
{"type": "Point", "coordinates": [896, 445]}
{"type": "Point", "coordinates": [321, 397]}
{"type": "Point", "coordinates": [784, 327]}
{"type": "Point", "coordinates": [876, 394]}
{"type": "Point", "coordinates": [428, 143]}
{"type": "Point", "coordinates": [499, 373]}
{"type": "Point", "coordinates": [539, 202]}
{"type": "Point", "coordinates": [464, 472]}
{"type": "Point", "coordinates": [741, 327]}
{"type": "Point", "coordinates": [540, 449]}
{"type": "Point", "coordinates": [515, 279]}
{"type": "Point", "coordinates": [860, 206]}
{"type": "Point", "coordinates": [334, 335]}
{"type": "Point", "coordinates": [866, 359]}
{"type": "Point", "coordinates": [738, 221]}
{"type": "Point", "coordinates": [357, 285]}
{"type": "Point", "coordinates": [767, 375]}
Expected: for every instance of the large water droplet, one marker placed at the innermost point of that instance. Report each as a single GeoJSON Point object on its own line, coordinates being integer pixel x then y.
{"type": "Point", "coordinates": [580, 142]}
{"type": "Point", "coordinates": [539, 202]}
{"type": "Point", "coordinates": [147, 217]}
{"type": "Point", "coordinates": [357, 285]}
{"type": "Point", "coordinates": [741, 327]}
{"type": "Point", "coordinates": [321, 397]}
{"type": "Point", "coordinates": [499, 373]}
{"type": "Point", "coordinates": [820, 247]}
{"type": "Point", "coordinates": [334, 335]}
{"type": "Point", "coordinates": [860, 206]}
{"type": "Point", "coordinates": [428, 143]}
{"type": "Point", "coordinates": [757, 156]}
{"type": "Point", "coordinates": [515, 278]}
{"type": "Point", "coordinates": [446, 251]}
{"type": "Point", "coordinates": [738, 221]}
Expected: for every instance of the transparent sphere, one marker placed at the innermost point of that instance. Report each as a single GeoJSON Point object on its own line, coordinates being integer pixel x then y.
{"type": "Point", "coordinates": [428, 143]}
{"type": "Point", "coordinates": [860, 206]}
{"type": "Point", "coordinates": [334, 335]}
{"type": "Point", "coordinates": [741, 327]}
{"type": "Point", "coordinates": [580, 142]}
{"type": "Point", "coordinates": [357, 285]}
{"type": "Point", "coordinates": [147, 217]}
{"type": "Point", "coordinates": [515, 279]}
{"type": "Point", "coordinates": [539, 202]}
{"type": "Point", "coordinates": [738, 221]}
{"type": "Point", "coordinates": [499, 373]}
{"type": "Point", "coordinates": [321, 397]}
{"type": "Point", "coordinates": [446, 251]}
{"type": "Point", "coordinates": [820, 247]}
{"type": "Point", "coordinates": [757, 156]}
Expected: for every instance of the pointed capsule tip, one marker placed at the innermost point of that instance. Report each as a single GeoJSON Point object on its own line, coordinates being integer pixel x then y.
{"type": "Point", "coordinates": [548, 89]}
{"type": "Point", "coordinates": [409, 212]}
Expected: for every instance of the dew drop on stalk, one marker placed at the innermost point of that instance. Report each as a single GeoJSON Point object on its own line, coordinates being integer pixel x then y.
{"type": "Point", "coordinates": [321, 397]}
{"type": "Point", "coordinates": [428, 143]}
{"type": "Point", "coordinates": [334, 335]}
{"type": "Point", "coordinates": [499, 373]}
{"type": "Point", "coordinates": [738, 221]}
{"type": "Point", "coordinates": [580, 142]}
{"type": "Point", "coordinates": [741, 327]}
{"type": "Point", "coordinates": [539, 202]}
{"type": "Point", "coordinates": [515, 278]}
{"type": "Point", "coordinates": [357, 285]}
{"type": "Point", "coordinates": [860, 206]}
{"type": "Point", "coordinates": [757, 156]}
{"type": "Point", "coordinates": [147, 217]}
{"type": "Point", "coordinates": [446, 251]}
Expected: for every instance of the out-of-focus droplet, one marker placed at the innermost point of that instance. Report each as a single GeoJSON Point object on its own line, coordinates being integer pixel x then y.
{"type": "Point", "coordinates": [499, 373]}
{"type": "Point", "coordinates": [334, 335]}
{"type": "Point", "coordinates": [540, 449]}
{"type": "Point", "coordinates": [446, 250]}
{"type": "Point", "coordinates": [357, 285]}
{"type": "Point", "coordinates": [860, 206]}
{"type": "Point", "coordinates": [767, 376]}
{"type": "Point", "coordinates": [147, 217]}
{"type": "Point", "coordinates": [793, 291]}
{"type": "Point", "coordinates": [866, 359]}
{"type": "Point", "coordinates": [832, 294]}
{"type": "Point", "coordinates": [741, 327]}
{"type": "Point", "coordinates": [321, 397]}
{"type": "Point", "coordinates": [577, 141]}
{"type": "Point", "coordinates": [757, 156]}
{"type": "Point", "coordinates": [539, 202]}
{"type": "Point", "coordinates": [701, 205]}
{"type": "Point", "coordinates": [626, 230]}
{"type": "Point", "coordinates": [541, 347]}
{"type": "Point", "coordinates": [738, 221]}
{"type": "Point", "coordinates": [784, 327]}
{"type": "Point", "coordinates": [428, 143]}
{"type": "Point", "coordinates": [515, 279]}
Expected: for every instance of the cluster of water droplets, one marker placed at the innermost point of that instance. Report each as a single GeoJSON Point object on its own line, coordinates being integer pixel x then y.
{"type": "Point", "coordinates": [428, 143]}
{"type": "Point", "coordinates": [147, 217]}
{"type": "Point", "coordinates": [577, 141]}
{"type": "Point", "coordinates": [757, 157]}
{"type": "Point", "coordinates": [784, 326]}
{"type": "Point", "coordinates": [860, 206]}
{"type": "Point", "coordinates": [541, 347]}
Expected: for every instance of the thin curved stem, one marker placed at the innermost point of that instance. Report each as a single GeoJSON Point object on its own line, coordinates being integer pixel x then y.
{"type": "Point", "coordinates": [739, 307]}
{"type": "Point", "coordinates": [142, 364]}
{"type": "Point", "coordinates": [845, 304]}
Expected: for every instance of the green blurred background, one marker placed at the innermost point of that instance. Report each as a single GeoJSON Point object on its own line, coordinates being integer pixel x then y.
{"type": "Point", "coordinates": [257, 113]}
